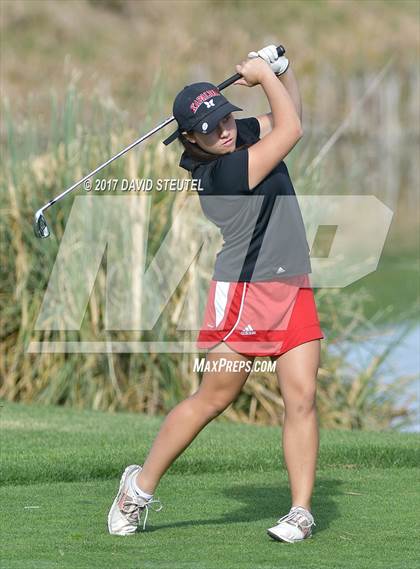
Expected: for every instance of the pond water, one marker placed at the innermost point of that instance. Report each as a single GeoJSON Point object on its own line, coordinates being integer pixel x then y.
{"type": "Point", "coordinates": [404, 360]}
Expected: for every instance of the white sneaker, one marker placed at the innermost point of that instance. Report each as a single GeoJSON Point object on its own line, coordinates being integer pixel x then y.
{"type": "Point", "coordinates": [294, 526]}
{"type": "Point", "coordinates": [127, 509]}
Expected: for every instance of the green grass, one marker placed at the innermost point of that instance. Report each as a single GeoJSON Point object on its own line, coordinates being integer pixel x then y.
{"type": "Point", "coordinates": [60, 471]}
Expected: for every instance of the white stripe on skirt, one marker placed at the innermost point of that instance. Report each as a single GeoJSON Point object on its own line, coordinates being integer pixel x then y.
{"type": "Point", "coordinates": [240, 312]}
{"type": "Point", "coordinates": [220, 300]}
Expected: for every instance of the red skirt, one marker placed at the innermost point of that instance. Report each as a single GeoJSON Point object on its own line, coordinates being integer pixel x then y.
{"type": "Point", "coordinates": [260, 318]}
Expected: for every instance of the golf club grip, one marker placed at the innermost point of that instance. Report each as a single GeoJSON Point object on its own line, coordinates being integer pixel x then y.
{"type": "Point", "coordinates": [280, 50]}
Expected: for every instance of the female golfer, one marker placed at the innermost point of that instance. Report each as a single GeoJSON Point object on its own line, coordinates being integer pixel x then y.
{"type": "Point", "coordinates": [260, 302]}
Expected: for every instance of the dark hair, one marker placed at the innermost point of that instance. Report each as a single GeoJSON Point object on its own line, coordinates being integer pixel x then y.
{"type": "Point", "coordinates": [197, 153]}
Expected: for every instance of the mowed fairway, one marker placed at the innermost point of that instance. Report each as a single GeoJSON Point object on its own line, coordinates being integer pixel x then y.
{"type": "Point", "coordinates": [61, 468]}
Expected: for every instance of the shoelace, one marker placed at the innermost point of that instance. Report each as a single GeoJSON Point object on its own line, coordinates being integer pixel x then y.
{"type": "Point", "coordinates": [147, 505]}
{"type": "Point", "coordinates": [297, 517]}
{"type": "Point", "coordinates": [132, 510]}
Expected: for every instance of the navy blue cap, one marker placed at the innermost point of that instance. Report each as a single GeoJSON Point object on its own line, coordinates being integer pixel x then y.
{"type": "Point", "coordinates": [199, 107]}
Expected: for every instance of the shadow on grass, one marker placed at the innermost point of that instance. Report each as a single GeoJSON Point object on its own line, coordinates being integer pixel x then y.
{"type": "Point", "coordinates": [271, 501]}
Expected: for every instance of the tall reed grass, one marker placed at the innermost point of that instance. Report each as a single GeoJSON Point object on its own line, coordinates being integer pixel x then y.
{"type": "Point", "coordinates": [39, 160]}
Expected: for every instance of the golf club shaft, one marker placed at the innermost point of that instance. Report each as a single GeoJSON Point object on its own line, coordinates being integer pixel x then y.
{"type": "Point", "coordinates": [126, 149]}
{"type": "Point", "coordinates": [223, 85]}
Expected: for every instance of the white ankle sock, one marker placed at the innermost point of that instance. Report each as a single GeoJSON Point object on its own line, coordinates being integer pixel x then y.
{"type": "Point", "coordinates": [138, 490]}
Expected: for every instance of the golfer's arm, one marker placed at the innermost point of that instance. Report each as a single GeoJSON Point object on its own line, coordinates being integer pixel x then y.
{"type": "Point", "coordinates": [289, 81]}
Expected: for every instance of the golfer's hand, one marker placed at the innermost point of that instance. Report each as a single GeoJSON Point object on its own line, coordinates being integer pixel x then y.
{"type": "Point", "coordinates": [269, 54]}
{"type": "Point", "coordinates": [253, 72]}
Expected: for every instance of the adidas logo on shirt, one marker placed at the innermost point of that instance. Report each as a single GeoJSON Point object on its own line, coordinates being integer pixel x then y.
{"type": "Point", "coordinates": [248, 330]}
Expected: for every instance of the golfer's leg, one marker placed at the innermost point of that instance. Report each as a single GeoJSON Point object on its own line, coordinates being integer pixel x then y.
{"type": "Point", "coordinates": [187, 419]}
{"type": "Point", "coordinates": [296, 371]}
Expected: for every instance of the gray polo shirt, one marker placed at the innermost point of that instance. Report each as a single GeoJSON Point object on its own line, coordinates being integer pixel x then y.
{"type": "Point", "coordinates": [263, 231]}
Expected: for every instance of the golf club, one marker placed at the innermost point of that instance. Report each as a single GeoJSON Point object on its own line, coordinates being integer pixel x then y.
{"type": "Point", "coordinates": [40, 225]}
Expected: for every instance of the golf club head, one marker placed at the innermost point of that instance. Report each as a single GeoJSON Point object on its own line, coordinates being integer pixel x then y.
{"type": "Point", "coordinates": [40, 225]}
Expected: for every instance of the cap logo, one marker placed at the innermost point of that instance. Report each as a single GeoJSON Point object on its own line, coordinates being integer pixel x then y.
{"type": "Point", "coordinates": [209, 103]}
{"type": "Point", "coordinates": [204, 126]}
{"type": "Point", "coordinates": [203, 97]}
